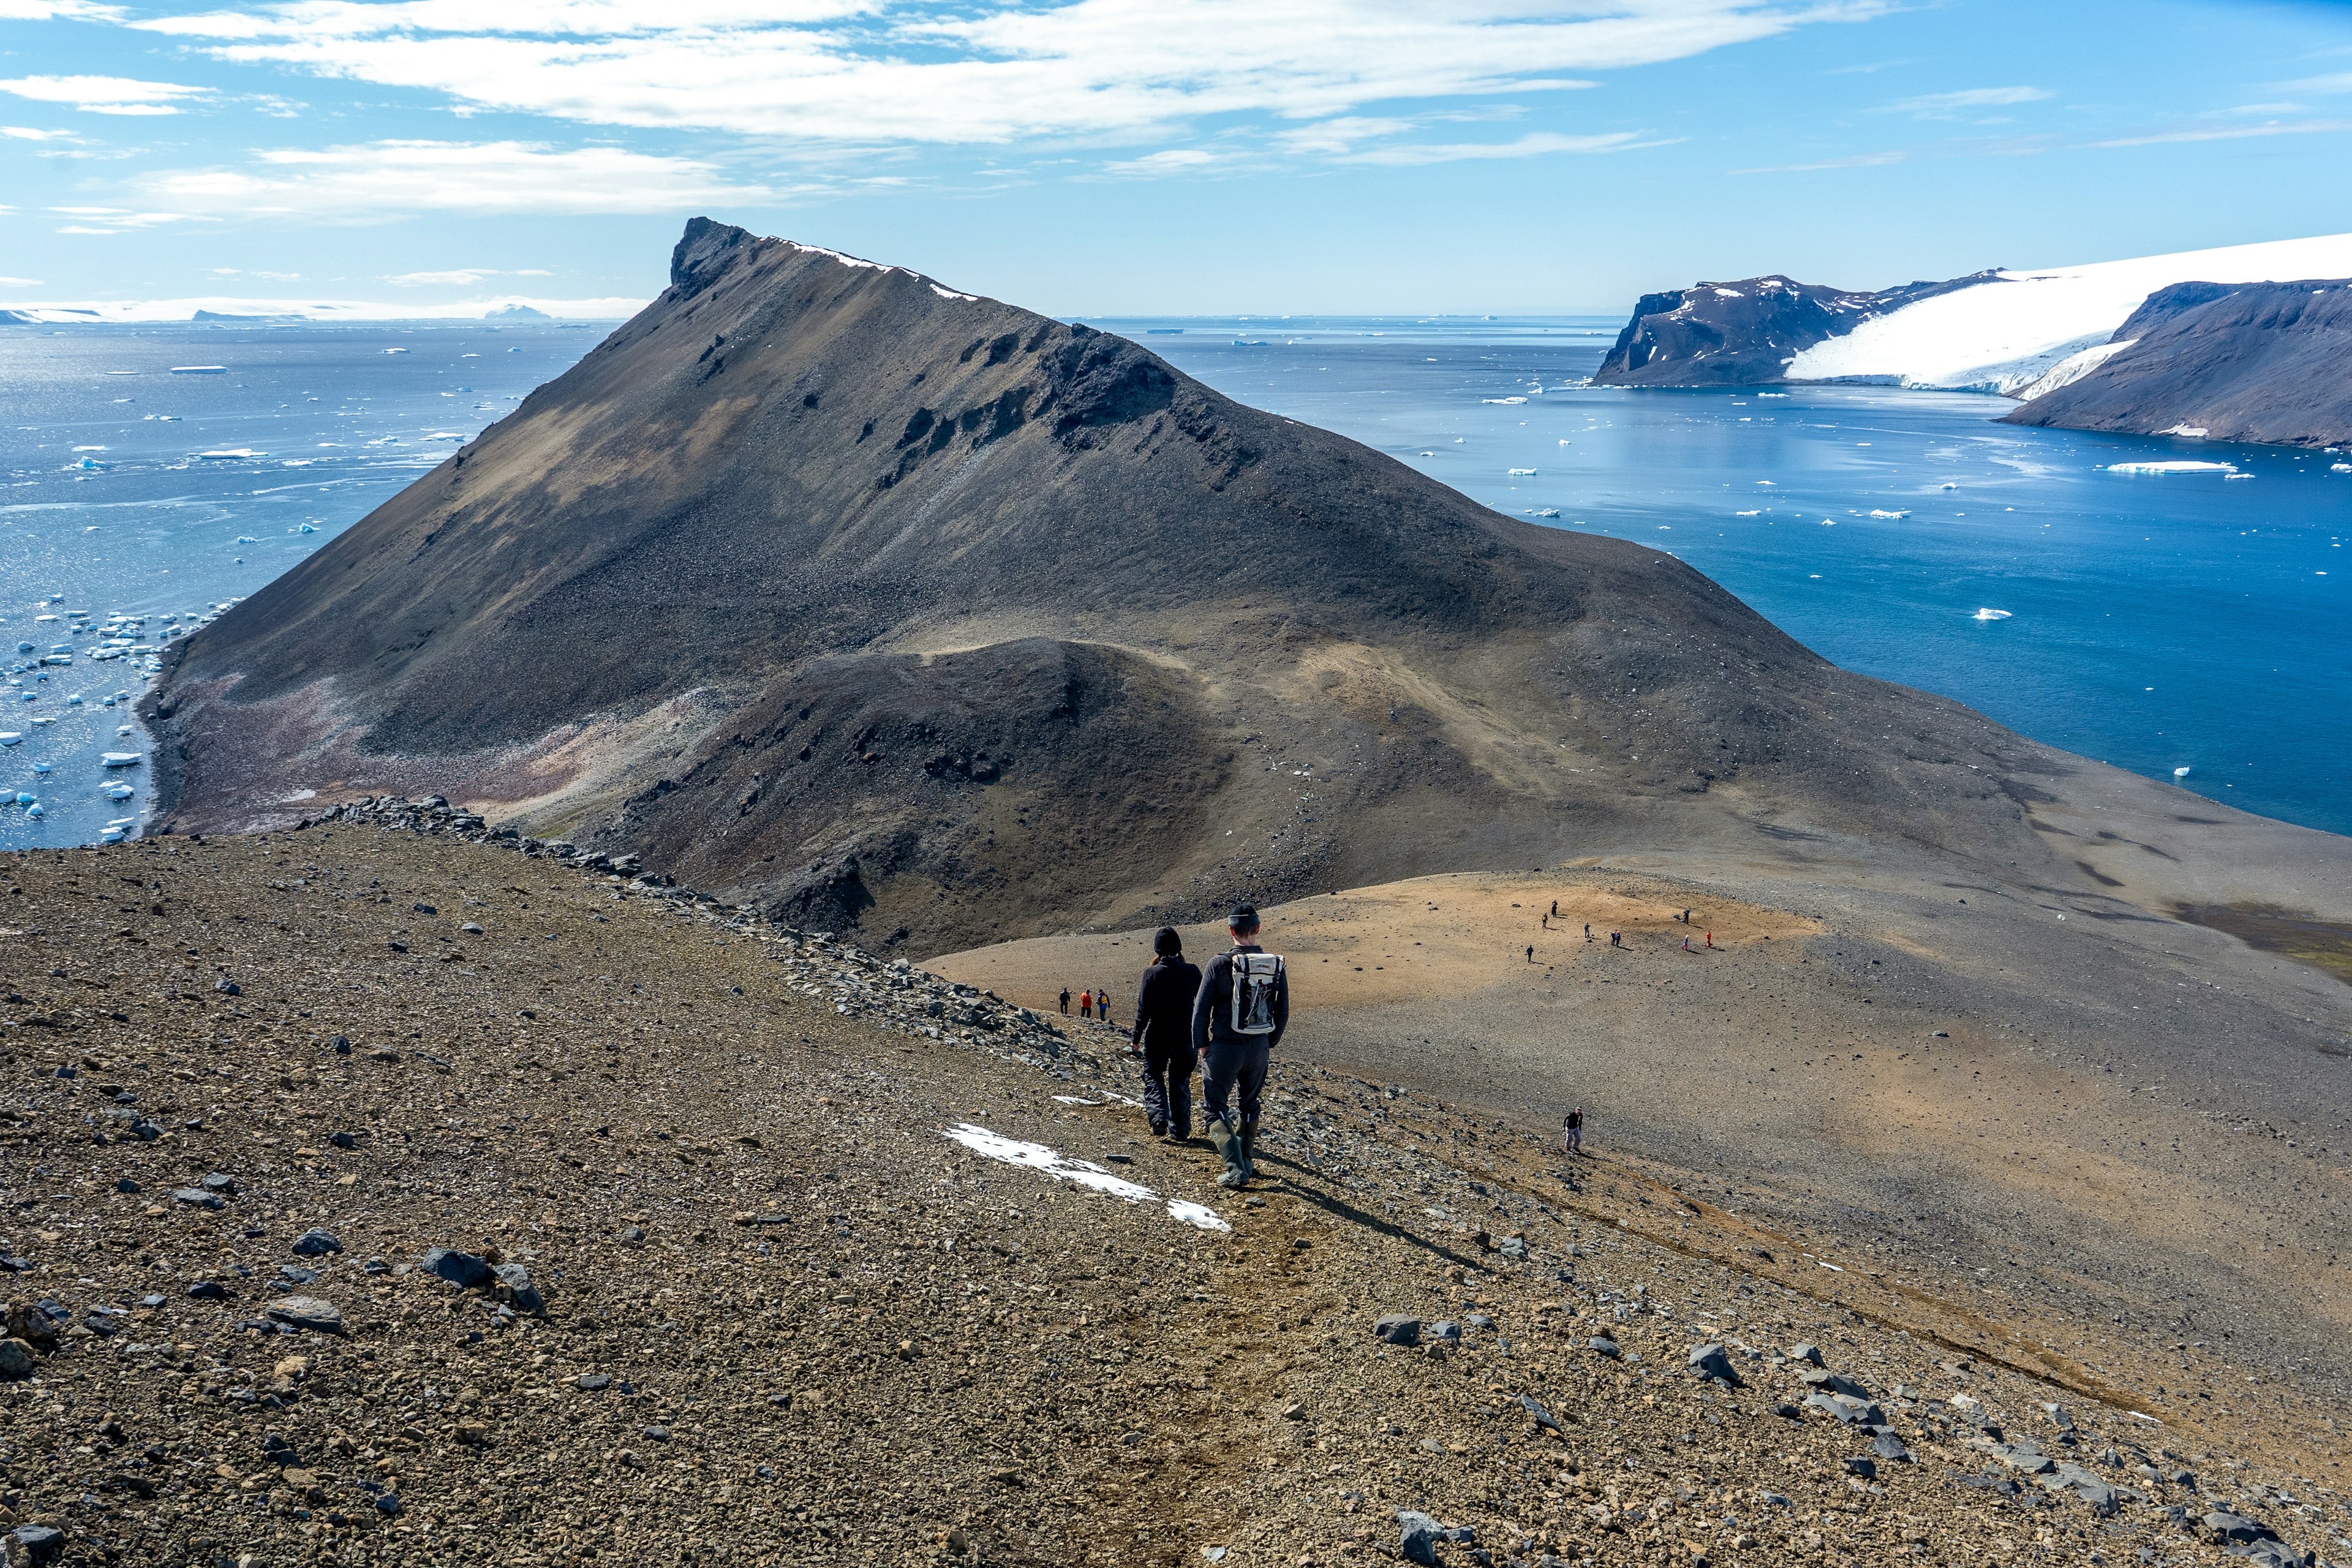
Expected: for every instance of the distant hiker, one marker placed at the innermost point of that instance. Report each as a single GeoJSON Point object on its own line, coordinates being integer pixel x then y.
{"type": "Point", "coordinates": [1102, 1003]}
{"type": "Point", "coordinates": [1238, 1017]}
{"type": "Point", "coordinates": [1572, 1131]}
{"type": "Point", "coordinates": [1555, 908]}
{"type": "Point", "coordinates": [1685, 945]}
{"type": "Point", "coordinates": [1588, 933]}
{"type": "Point", "coordinates": [1085, 1003]}
{"type": "Point", "coordinates": [1547, 922]}
{"type": "Point", "coordinates": [1616, 939]}
{"type": "Point", "coordinates": [1685, 917]}
{"type": "Point", "coordinates": [1066, 1001]}
{"type": "Point", "coordinates": [1163, 1028]}
{"type": "Point", "coordinates": [1710, 938]}
{"type": "Point", "coordinates": [1531, 953]}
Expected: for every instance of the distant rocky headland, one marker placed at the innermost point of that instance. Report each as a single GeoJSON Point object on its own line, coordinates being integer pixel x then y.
{"type": "Point", "coordinates": [2204, 343]}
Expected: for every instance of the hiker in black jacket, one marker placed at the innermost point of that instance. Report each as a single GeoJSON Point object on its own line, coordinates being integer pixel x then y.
{"type": "Point", "coordinates": [1163, 1028]}
{"type": "Point", "coordinates": [1235, 1041]}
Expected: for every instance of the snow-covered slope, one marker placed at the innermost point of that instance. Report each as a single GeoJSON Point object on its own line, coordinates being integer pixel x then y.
{"type": "Point", "coordinates": [2002, 333]}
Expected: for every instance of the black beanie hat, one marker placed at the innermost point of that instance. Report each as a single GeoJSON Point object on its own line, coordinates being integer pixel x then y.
{"type": "Point", "coordinates": [1165, 941]}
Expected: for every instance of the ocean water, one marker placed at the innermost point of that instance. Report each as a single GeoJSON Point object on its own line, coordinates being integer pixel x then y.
{"type": "Point", "coordinates": [137, 482]}
{"type": "Point", "coordinates": [2155, 621]}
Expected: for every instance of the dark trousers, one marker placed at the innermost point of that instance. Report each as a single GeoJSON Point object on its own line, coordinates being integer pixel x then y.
{"type": "Point", "coordinates": [1168, 1088]}
{"type": "Point", "coordinates": [1234, 1068]}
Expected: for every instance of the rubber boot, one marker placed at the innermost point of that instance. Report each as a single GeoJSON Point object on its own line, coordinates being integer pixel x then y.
{"type": "Point", "coordinates": [1229, 1148]}
{"type": "Point", "coordinates": [1248, 1142]}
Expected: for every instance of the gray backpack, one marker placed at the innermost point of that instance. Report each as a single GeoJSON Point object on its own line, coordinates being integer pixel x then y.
{"type": "Point", "coordinates": [1255, 975]}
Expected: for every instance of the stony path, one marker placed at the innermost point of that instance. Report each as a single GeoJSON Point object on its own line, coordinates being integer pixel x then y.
{"type": "Point", "coordinates": [739, 1296]}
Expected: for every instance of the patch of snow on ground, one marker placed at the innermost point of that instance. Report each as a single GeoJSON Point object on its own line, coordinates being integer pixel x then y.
{"type": "Point", "coordinates": [1048, 1162]}
{"type": "Point", "coordinates": [2005, 333]}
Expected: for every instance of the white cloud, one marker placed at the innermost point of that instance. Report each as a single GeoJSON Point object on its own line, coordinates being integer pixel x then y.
{"type": "Point", "coordinates": [898, 71]}
{"type": "Point", "coordinates": [27, 133]}
{"type": "Point", "coordinates": [1857, 160]}
{"type": "Point", "coordinates": [58, 11]}
{"type": "Point", "coordinates": [2230, 132]}
{"type": "Point", "coordinates": [2339, 81]}
{"type": "Point", "coordinates": [20, 283]}
{"type": "Point", "coordinates": [1175, 161]}
{"type": "Point", "coordinates": [103, 94]}
{"type": "Point", "coordinates": [464, 277]}
{"type": "Point", "coordinates": [1535, 143]}
{"type": "Point", "coordinates": [1340, 135]}
{"type": "Point", "coordinates": [113, 220]}
{"type": "Point", "coordinates": [381, 179]}
{"type": "Point", "coordinates": [1950, 105]}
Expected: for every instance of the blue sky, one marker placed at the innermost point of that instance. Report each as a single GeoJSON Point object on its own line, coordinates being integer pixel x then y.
{"type": "Point", "coordinates": [1152, 156]}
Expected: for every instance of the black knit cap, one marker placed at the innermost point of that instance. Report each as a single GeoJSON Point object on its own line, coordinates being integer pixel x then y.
{"type": "Point", "coordinates": [1165, 941]}
{"type": "Point", "coordinates": [1244, 918]}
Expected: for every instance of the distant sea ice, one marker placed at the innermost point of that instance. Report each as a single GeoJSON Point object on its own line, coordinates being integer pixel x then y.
{"type": "Point", "coordinates": [1990, 615]}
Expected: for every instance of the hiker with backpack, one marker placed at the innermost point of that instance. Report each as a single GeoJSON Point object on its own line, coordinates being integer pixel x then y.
{"type": "Point", "coordinates": [1238, 1016]}
{"type": "Point", "coordinates": [1163, 1033]}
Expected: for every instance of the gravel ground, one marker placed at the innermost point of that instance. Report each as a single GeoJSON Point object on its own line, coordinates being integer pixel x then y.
{"type": "Point", "coordinates": [780, 1253]}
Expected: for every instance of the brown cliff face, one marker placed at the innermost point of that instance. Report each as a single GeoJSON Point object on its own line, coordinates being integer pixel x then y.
{"type": "Point", "coordinates": [822, 584]}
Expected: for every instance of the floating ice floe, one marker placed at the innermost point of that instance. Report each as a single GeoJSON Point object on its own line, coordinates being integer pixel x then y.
{"type": "Point", "coordinates": [1545, 512]}
{"type": "Point", "coordinates": [1521, 473]}
{"type": "Point", "coordinates": [1889, 516]}
{"type": "Point", "coordinates": [1757, 513]}
{"type": "Point", "coordinates": [2180, 772]}
{"type": "Point", "coordinates": [229, 455]}
{"type": "Point", "coordinates": [11, 737]}
{"type": "Point", "coordinates": [2173, 465]}
{"type": "Point", "coordinates": [200, 370]}
{"type": "Point", "coordinates": [1052, 1163]}
{"type": "Point", "coordinates": [111, 836]}
{"type": "Point", "coordinates": [120, 759]}
{"type": "Point", "coordinates": [1990, 616]}
{"type": "Point", "coordinates": [117, 792]}
{"type": "Point", "coordinates": [1503, 400]}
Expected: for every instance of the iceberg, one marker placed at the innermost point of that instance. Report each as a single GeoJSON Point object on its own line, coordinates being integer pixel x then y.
{"type": "Point", "coordinates": [120, 759]}
{"type": "Point", "coordinates": [2173, 465]}
{"type": "Point", "coordinates": [1521, 473]}
{"type": "Point", "coordinates": [200, 370]}
{"type": "Point", "coordinates": [1990, 615]}
{"type": "Point", "coordinates": [229, 455]}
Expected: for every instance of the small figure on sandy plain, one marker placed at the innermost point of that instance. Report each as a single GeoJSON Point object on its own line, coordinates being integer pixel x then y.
{"type": "Point", "coordinates": [1572, 1131]}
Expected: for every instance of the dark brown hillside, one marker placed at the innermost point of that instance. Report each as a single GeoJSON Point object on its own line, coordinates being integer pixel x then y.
{"type": "Point", "coordinates": [752, 587]}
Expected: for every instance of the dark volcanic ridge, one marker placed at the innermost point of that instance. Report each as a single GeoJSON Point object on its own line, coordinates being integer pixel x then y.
{"type": "Point", "coordinates": [2252, 362]}
{"type": "Point", "coordinates": [1745, 333]}
{"type": "Point", "coordinates": [920, 617]}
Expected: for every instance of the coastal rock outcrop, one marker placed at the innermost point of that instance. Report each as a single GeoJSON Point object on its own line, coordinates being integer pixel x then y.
{"type": "Point", "coordinates": [1744, 333]}
{"type": "Point", "coordinates": [2256, 362]}
{"type": "Point", "coordinates": [1997, 331]}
